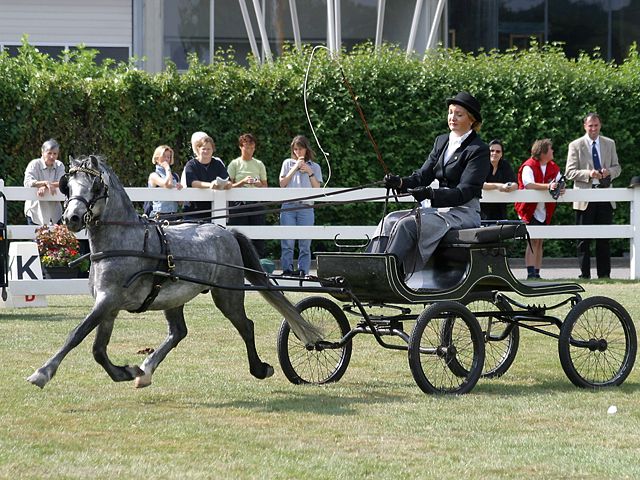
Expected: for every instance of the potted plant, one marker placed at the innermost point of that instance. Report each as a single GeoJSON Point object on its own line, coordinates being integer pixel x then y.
{"type": "Point", "coordinates": [57, 247]}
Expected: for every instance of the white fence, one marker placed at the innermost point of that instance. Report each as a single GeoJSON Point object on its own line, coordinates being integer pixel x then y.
{"type": "Point", "coordinates": [219, 200]}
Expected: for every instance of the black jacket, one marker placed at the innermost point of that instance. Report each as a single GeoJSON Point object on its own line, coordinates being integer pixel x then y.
{"type": "Point", "coordinates": [461, 179]}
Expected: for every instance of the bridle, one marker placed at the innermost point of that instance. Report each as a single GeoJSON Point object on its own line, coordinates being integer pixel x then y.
{"type": "Point", "coordinates": [98, 185]}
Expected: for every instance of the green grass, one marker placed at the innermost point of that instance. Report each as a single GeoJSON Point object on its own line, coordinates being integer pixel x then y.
{"type": "Point", "coordinates": [205, 416]}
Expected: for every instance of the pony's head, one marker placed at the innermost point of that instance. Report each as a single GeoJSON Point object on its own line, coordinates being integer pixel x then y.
{"type": "Point", "coordinates": [86, 189]}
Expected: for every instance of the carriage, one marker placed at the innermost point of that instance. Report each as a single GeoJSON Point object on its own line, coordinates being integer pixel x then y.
{"type": "Point", "coordinates": [466, 323]}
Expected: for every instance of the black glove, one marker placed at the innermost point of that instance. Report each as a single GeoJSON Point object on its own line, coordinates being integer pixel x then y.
{"type": "Point", "coordinates": [421, 193]}
{"type": "Point", "coordinates": [393, 182]}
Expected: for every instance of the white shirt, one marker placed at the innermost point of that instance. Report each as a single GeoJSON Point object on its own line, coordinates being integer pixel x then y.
{"type": "Point", "coordinates": [454, 143]}
{"type": "Point", "coordinates": [540, 212]}
{"type": "Point", "coordinates": [43, 212]}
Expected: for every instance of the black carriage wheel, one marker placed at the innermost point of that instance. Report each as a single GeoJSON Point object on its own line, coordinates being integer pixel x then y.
{"type": "Point", "coordinates": [431, 352]}
{"type": "Point", "coordinates": [499, 352]}
{"type": "Point", "coordinates": [316, 365]}
{"type": "Point", "coordinates": [597, 343]}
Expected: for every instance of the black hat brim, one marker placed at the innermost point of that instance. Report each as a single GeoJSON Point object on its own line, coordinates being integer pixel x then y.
{"type": "Point", "coordinates": [476, 114]}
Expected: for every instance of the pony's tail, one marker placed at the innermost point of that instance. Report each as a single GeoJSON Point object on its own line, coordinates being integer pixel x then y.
{"type": "Point", "coordinates": [256, 275]}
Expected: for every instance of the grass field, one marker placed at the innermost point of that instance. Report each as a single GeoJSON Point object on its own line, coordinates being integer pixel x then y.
{"type": "Point", "coordinates": [206, 417]}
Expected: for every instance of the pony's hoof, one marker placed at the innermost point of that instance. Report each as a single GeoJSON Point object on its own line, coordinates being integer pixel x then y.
{"type": "Point", "coordinates": [142, 381]}
{"type": "Point", "coordinates": [38, 379]}
{"type": "Point", "coordinates": [266, 371]}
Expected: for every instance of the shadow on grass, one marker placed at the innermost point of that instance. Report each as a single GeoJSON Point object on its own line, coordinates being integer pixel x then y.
{"type": "Point", "coordinates": [305, 399]}
{"type": "Point", "coordinates": [555, 386]}
{"type": "Point", "coordinates": [32, 316]}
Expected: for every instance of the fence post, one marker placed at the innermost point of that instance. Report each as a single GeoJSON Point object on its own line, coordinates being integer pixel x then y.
{"type": "Point", "coordinates": [634, 218]}
{"type": "Point", "coordinates": [219, 201]}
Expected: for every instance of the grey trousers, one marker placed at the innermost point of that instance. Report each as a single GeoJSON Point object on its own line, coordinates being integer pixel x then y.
{"type": "Point", "coordinates": [424, 228]}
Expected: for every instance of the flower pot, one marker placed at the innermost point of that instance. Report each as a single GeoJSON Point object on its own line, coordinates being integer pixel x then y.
{"type": "Point", "coordinates": [60, 272]}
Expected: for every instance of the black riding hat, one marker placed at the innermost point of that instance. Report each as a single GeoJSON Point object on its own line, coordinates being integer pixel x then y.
{"type": "Point", "coordinates": [467, 101]}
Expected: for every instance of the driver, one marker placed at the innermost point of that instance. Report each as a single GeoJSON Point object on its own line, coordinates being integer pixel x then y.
{"type": "Point", "coordinates": [460, 162]}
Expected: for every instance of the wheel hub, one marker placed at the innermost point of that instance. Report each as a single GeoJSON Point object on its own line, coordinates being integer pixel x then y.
{"type": "Point", "coordinates": [597, 344]}
{"type": "Point", "coordinates": [448, 351]}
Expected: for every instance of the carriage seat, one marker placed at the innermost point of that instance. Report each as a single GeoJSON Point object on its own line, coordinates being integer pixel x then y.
{"type": "Point", "coordinates": [492, 234]}
{"type": "Point", "coordinates": [451, 262]}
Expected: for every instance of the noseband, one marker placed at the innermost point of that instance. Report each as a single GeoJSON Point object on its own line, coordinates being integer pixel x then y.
{"type": "Point", "coordinates": [98, 184]}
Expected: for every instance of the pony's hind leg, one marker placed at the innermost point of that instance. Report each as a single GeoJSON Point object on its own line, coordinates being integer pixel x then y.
{"type": "Point", "coordinates": [177, 331]}
{"type": "Point", "coordinates": [231, 304]}
{"type": "Point", "coordinates": [103, 336]}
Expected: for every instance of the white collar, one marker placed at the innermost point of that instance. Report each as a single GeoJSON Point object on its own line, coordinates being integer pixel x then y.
{"type": "Point", "coordinates": [455, 139]}
{"type": "Point", "coordinates": [590, 142]}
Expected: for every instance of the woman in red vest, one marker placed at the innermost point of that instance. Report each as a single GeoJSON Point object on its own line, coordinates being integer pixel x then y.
{"type": "Point", "coordinates": [539, 172]}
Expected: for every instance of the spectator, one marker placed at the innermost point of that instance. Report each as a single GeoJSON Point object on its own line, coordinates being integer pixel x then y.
{"type": "Point", "coordinates": [195, 136]}
{"type": "Point", "coordinates": [204, 172]}
{"type": "Point", "coordinates": [592, 162]}
{"type": "Point", "coordinates": [44, 173]}
{"type": "Point", "coordinates": [248, 172]}
{"type": "Point", "coordinates": [539, 172]}
{"type": "Point", "coordinates": [460, 162]}
{"type": "Point", "coordinates": [299, 171]}
{"type": "Point", "coordinates": [163, 177]}
{"type": "Point", "coordinates": [501, 178]}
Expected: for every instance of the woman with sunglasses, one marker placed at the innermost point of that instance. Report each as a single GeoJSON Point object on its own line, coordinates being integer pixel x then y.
{"type": "Point", "coordinates": [500, 178]}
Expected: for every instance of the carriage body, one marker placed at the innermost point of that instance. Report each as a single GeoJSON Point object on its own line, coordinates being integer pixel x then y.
{"type": "Point", "coordinates": [466, 321]}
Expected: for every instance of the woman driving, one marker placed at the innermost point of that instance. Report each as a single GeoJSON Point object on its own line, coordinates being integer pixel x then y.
{"type": "Point", "coordinates": [460, 162]}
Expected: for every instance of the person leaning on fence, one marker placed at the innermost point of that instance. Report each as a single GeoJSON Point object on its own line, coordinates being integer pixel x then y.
{"type": "Point", "coordinates": [539, 172]}
{"type": "Point", "coordinates": [460, 162]}
{"type": "Point", "coordinates": [44, 173]}
{"type": "Point", "coordinates": [500, 178]}
{"type": "Point", "coordinates": [195, 136]}
{"type": "Point", "coordinates": [163, 177]}
{"type": "Point", "coordinates": [298, 171]}
{"type": "Point", "coordinates": [592, 162]}
{"type": "Point", "coordinates": [204, 171]}
{"type": "Point", "coordinates": [248, 172]}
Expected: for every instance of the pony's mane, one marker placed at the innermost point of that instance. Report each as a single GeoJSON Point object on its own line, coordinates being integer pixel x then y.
{"type": "Point", "coordinates": [109, 175]}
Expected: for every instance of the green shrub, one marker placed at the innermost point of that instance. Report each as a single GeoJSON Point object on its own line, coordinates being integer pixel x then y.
{"type": "Point", "coordinates": [124, 113]}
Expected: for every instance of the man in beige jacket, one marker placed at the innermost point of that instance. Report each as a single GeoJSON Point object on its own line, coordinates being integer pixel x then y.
{"type": "Point", "coordinates": [592, 162]}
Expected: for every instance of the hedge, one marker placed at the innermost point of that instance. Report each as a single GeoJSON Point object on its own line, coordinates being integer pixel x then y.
{"type": "Point", "coordinates": [123, 113]}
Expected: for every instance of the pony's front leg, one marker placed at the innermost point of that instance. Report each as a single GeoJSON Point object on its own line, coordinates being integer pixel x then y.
{"type": "Point", "coordinates": [103, 336]}
{"type": "Point", "coordinates": [45, 373]}
{"type": "Point", "coordinates": [177, 331]}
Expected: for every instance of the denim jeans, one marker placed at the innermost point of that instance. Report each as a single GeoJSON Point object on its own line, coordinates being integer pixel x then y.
{"type": "Point", "coordinates": [288, 217]}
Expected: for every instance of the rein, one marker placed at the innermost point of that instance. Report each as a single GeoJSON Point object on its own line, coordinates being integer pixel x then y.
{"type": "Point", "coordinates": [169, 217]}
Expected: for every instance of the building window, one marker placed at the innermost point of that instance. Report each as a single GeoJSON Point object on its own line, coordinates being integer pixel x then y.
{"type": "Point", "coordinates": [186, 30]}
{"type": "Point", "coordinates": [580, 25]}
{"type": "Point", "coordinates": [189, 25]}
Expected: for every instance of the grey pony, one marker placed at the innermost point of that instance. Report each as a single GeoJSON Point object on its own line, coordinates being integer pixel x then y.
{"type": "Point", "coordinates": [98, 202]}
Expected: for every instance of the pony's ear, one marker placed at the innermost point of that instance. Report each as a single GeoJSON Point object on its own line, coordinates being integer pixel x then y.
{"type": "Point", "coordinates": [63, 185]}
{"type": "Point", "coordinates": [73, 162]}
{"type": "Point", "coordinates": [94, 162]}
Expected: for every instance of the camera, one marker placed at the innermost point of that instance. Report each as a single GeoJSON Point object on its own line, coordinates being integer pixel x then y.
{"type": "Point", "coordinates": [560, 184]}
{"type": "Point", "coordinates": [605, 182]}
